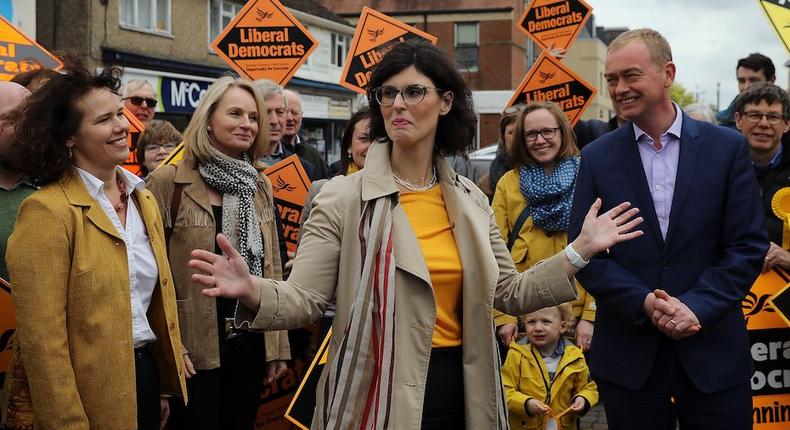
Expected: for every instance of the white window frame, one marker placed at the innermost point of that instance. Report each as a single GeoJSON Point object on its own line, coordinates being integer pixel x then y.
{"type": "Point", "coordinates": [476, 45]}
{"type": "Point", "coordinates": [337, 41]}
{"type": "Point", "coordinates": [237, 6]}
{"type": "Point", "coordinates": [149, 27]}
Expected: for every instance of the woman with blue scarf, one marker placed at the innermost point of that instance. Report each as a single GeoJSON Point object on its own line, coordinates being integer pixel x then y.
{"type": "Point", "coordinates": [532, 203]}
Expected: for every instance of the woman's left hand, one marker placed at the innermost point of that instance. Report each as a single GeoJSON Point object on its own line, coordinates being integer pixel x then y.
{"type": "Point", "coordinates": [601, 232]}
{"type": "Point", "coordinates": [275, 370]}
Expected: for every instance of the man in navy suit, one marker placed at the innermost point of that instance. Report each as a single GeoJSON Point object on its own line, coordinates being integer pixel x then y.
{"type": "Point", "coordinates": [670, 339]}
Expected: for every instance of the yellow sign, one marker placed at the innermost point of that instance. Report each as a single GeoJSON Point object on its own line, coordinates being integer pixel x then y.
{"type": "Point", "coordinates": [770, 351]}
{"type": "Point", "coordinates": [19, 53]}
{"type": "Point", "coordinates": [374, 36]}
{"type": "Point", "coordinates": [264, 41]}
{"type": "Point", "coordinates": [778, 12]}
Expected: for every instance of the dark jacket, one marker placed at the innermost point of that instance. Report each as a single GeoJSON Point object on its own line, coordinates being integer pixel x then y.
{"type": "Point", "coordinates": [307, 152]}
{"type": "Point", "coordinates": [770, 182]}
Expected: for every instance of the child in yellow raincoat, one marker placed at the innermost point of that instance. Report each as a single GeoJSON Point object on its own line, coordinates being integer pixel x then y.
{"type": "Point", "coordinates": [546, 375]}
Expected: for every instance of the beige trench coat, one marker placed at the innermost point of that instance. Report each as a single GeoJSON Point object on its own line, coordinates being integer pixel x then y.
{"type": "Point", "coordinates": [328, 265]}
{"type": "Point", "coordinates": [194, 229]}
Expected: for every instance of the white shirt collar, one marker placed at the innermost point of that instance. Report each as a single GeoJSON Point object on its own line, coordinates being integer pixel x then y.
{"type": "Point", "coordinates": [95, 184]}
{"type": "Point", "coordinates": [673, 129]}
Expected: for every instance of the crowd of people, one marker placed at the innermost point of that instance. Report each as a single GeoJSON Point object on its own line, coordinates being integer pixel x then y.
{"type": "Point", "coordinates": [601, 261]}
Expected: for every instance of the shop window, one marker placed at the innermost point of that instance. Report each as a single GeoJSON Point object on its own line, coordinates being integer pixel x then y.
{"type": "Point", "coordinates": [467, 46]}
{"type": "Point", "coordinates": [221, 13]}
{"type": "Point", "coordinates": [148, 15]}
{"type": "Point", "coordinates": [340, 45]}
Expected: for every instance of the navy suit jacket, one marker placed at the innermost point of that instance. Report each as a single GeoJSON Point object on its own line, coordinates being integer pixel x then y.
{"type": "Point", "coordinates": [712, 254]}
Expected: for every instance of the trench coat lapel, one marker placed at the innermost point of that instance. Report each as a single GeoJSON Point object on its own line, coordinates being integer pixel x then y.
{"type": "Point", "coordinates": [377, 182]}
{"type": "Point", "coordinates": [77, 194]}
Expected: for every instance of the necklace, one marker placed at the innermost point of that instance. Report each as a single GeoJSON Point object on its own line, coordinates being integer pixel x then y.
{"type": "Point", "coordinates": [411, 187]}
{"type": "Point", "coordinates": [124, 198]}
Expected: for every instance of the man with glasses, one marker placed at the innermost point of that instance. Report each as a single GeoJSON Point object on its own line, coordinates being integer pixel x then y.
{"type": "Point", "coordinates": [761, 114]}
{"type": "Point", "coordinates": [670, 341]}
{"type": "Point", "coordinates": [140, 98]}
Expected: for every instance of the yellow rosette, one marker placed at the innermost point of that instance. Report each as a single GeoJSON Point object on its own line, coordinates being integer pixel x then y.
{"type": "Point", "coordinates": [780, 204]}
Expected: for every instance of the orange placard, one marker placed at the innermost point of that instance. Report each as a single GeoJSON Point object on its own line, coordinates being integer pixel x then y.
{"type": "Point", "coordinates": [375, 35]}
{"type": "Point", "coordinates": [768, 334]}
{"type": "Point", "coordinates": [19, 53]}
{"type": "Point", "coordinates": [135, 130]}
{"type": "Point", "coordinates": [300, 411]}
{"type": "Point", "coordinates": [264, 41]}
{"type": "Point", "coordinates": [7, 325]}
{"type": "Point", "coordinates": [550, 80]}
{"type": "Point", "coordinates": [781, 303]}
{"type": "Point", "coordinates": [290, 184]}
{"type": "Point", "coordinates": [554, 23]}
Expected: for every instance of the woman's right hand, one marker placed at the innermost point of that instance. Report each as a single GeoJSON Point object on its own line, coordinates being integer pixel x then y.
{"type": "Point", "coordinates": [189, 368]}
{"type": "Point", "coordinates": [601, 232]}
{"type": "Point", "coordinates": [226, 276]}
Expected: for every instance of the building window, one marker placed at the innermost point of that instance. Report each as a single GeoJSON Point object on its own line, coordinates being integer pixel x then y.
{"type": "Point", "coordinates": [467, 45]}
{"type": "Point", "coordinates": [340, 45]}
{"type": "Point", "coordinates": [150, 15]}
{"type": "Point", "coordinates": [221, 13]}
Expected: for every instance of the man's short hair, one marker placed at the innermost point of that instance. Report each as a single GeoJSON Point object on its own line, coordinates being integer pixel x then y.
{"type": "Point", "coordinates": [763, 91]}
{"type": "Point", "coordinates": [657, 45]}
{"type": "Point", "coordinates": [759, 63]}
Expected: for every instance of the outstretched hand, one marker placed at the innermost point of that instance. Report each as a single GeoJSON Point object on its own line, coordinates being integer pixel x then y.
{"type": "Point", "coordinates": [226, 276]}
{"type": "Point", "coordinates": [601, 232]}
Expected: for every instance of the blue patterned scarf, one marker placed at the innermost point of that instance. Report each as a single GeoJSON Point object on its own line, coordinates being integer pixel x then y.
{"type": "Point", "coordinates": [550, 196]}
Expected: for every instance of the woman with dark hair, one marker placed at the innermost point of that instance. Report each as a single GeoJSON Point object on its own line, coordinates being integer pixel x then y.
{"type": "Point", "coordinates": [95, 307]}
{"type": "Point", "coordinates": [354, 145]}
{"type": "Point", "coordinates": [216, 189]}
{"type": "Point", "coordinates": [158, 140]}
{"type": "Point", "coordinates": [411, 254]}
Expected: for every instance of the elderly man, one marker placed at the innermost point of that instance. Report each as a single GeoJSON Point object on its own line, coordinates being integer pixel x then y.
{"type": "Point", "coordinates": [291, 139]}
{"type": "Point", "coordinates": [761, 114]}
{"type": "Point", "coordinates": [670, 338]}
{"type": "Point", "coordinates": [140, 98]}
{"type": "Point", "coordinates": [277, 114]}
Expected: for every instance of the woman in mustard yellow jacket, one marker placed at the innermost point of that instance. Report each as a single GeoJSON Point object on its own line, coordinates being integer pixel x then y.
{"type": "Point", "coordinates": [545, 161]}
{"type": "Point", "coordinates": [95, 307]}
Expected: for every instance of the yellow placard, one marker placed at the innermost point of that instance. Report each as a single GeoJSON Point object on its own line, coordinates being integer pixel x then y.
{"type": "Point", "coordinates": [778, 13]}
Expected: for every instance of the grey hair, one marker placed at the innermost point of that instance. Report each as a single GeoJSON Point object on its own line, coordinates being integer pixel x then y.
{"type": "Point", "coordinates": [269, 88]}
{"type": "Point", "coordinates": [703, 110]}
{"type": "Point", "coordinates": [135, 84]}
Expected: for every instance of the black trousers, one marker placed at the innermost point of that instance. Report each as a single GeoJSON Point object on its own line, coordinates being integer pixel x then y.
{"type": "Point", "coordinates": [148, 407]}
{"type": "Point", "coordinates": [443, 406]}
{"type": "Point", "coordinates": [652, 407]}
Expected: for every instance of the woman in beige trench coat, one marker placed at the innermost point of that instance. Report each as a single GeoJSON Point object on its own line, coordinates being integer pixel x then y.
{"type": "Point", "coordinates": [410, 349]}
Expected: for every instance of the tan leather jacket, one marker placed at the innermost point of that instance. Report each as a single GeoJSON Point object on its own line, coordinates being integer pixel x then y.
{"type": "Point", "coordinates": [193, 228]}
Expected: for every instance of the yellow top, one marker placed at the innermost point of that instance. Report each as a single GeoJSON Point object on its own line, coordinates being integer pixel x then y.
{"type": "Point", "coordinates": [430, 222]}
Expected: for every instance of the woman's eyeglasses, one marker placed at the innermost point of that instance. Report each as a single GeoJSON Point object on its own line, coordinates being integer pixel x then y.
{"type": "Point", "coordinates": [411, 94]}
{"type": "Point", "coordinates": [155, 146]}
{"type": "Point", "coordinates": [547, 134]}
{"type": "Point", "coordinates": [137, 101]}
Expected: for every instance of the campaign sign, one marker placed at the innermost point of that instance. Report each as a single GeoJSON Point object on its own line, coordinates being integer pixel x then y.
{"type": "Point", "coordinates": [302, 407]}
{"type": "Point", "coordinates": [550, 80]}
{"type": "Point", "coordinates": [374, 36]}
{"type": "Point", "coordinates": [778, 12]}
{"type": "Point", "coordinates": [19, 53]}
{"type": "Point", "coordinates": [770, 351]}
{"type": "Point", "coordinates": [554, 23]}
{"type": "Point", "coordinates": [135, 130]}
{"type": "Point", "coordinates": [7, 325]}
{"type": "Point", "coordinates": [265, 41]}
{"type": "Point", "coordinates": [290, 185]}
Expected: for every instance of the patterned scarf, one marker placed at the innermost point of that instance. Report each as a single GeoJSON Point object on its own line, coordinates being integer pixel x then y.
{"type": "Point", "coordinates": [550, 196]}
{"type": "Point", "coordinates": [358, 389]}
{"type": "Point", "coordinates": [237, 181]}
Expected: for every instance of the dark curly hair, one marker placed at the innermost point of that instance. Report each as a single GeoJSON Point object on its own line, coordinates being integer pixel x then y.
{"type": "Point", "coordinates": [456, 130]}
{"type": "Point", "coordinates": [348, 136]}
{"type": "Point", "coordinates": [49, 117]}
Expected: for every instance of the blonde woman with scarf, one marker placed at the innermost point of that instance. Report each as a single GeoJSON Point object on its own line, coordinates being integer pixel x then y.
{"type": "Point", "coordinates": [216, 189]}
{"type": "Point", "coordinates": [411, 254]}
